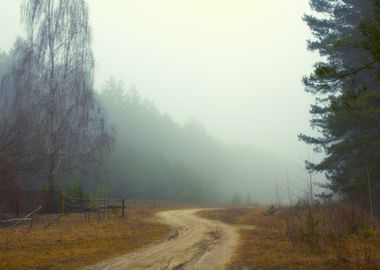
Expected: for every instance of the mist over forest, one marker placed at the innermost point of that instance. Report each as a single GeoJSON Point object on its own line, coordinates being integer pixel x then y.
{"type": "Point", "coordinates": [130, 147]}
{"type": "Point", "coordinates": [155, 158]}
{"type": "Point", "coordinates": [178, 112]}
{"type": "Point", "coordinates": [159, 159]}
{"type": "Point", "coordinates": [191, 134]}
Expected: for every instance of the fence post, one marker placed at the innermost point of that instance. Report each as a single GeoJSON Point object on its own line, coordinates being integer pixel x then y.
{"type": "Point", "coordinates": [62, 201]}
{"type": "Point", "coordinates": [108, 208]}
{"type": "Point", "coordinates": [104, 208]}
{"type": "Point", "coordinates": [122, 207]}
{"type": "Point", "coordinates": [17, 201]}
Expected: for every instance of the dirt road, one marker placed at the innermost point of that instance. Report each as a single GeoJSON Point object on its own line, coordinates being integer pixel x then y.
{"type": "Point", "coordinates": [195, 243]}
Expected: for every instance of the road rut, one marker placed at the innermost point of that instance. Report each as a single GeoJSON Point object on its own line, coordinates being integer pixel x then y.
{"type": "Point", "coordinates": [195, 243]}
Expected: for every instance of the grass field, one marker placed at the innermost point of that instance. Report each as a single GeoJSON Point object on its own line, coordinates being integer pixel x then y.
{"type": "Point", "coordinates": [266, 244]}
{"type": "Point", "coordinates": [78, 241]}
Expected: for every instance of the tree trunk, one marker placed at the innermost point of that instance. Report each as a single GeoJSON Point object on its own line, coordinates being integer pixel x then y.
{"type": "Point", "coordinates": [370, 198]}
{"type": "Point", "coordinates": [50, 201]}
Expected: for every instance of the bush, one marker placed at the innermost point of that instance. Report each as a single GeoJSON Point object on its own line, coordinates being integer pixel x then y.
{"type": "Point", "coordinates": [341, 227]}
{"type": "Point", "coordinates": [75, 190]}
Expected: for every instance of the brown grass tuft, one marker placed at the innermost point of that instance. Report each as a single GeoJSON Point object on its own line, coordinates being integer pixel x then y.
{"type": "Point", "coordinates": [269, 245]}
{"type": "Point", "coordinates": [77, 241]}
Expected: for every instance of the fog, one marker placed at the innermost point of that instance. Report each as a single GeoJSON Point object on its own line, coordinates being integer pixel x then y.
{"type": "Point", "coordinates": [234, 66]}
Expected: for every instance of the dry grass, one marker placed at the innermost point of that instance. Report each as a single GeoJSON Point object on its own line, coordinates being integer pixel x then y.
{"type": "Point", "coordinates": [77, 242]}
{"type": "Point", "coordinates": [268, 245]}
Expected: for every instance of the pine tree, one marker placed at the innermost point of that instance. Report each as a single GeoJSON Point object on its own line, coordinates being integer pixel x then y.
{"type": "Point", "coordinates": [346, 86]}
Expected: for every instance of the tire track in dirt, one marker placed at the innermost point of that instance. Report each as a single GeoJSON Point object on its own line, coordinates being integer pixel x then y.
{"type": "Point", "coordinates": [196, 243]}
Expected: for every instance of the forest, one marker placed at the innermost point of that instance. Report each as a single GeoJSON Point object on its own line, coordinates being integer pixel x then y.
{"type": "Point", "coordinates": [146, 154]}
{"type": "Point", "coordinates": [58, 131]}
{"type": "Point", "coordinates": [154, 158]}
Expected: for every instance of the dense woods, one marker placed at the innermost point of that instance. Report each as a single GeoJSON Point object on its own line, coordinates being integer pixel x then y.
{"type": "Point", "coordinates": [156, 158]}
{"type": "Point", "coordinates": [57, 131]}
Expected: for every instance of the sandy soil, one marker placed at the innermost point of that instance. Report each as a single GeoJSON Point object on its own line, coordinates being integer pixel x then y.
{"type": "Point", "coordinates": [195, 243]}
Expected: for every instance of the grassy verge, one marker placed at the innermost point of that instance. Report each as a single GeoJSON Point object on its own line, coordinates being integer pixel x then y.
{"type": "Point", "coordinates": [269, 243]}
{"type": "Point", "coordinates": [77, 242]}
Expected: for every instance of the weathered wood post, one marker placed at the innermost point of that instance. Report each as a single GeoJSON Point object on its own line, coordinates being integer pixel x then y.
{"type": "Point", "coordinates": [104, 208]}
{"type": "Point", "coordinates": [62, 201]}
{"type": "Point", "coordinates": [17, 201]}
{"type": "Point", "coordinates": [122, 208]}
{"type": "Point", "coordinates": [108, 208]}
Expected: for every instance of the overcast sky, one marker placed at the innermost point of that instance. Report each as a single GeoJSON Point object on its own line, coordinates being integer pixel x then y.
{"type": "Point", "coordinates": [236, 66]}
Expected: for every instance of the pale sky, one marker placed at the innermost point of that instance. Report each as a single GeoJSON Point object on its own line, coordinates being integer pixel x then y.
{"type": "Point", "coordinates": [236, 66]}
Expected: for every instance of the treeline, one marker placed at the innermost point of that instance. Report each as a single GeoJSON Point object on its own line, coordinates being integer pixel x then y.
{"type": "Point", "coordinates": [146, 162]}
{"type": "Point", "coordinates": [56, 131]}
{"type": "Point", "coordinates": [152, 157]}
{"type": "Point", "coordinates": [346, 86]}
{"type": "Point", "coordinates": [156, 158]}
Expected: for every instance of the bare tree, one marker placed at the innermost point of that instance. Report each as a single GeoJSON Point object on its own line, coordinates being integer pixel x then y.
{"type": "Point", "coordinates": [277, 194]}
{"type": "Point", "coordinates": [290, 197]}
{"type": "Point", "coordinates": [53, 83]}
{"type": "Point", "coordinates": [370, 199]}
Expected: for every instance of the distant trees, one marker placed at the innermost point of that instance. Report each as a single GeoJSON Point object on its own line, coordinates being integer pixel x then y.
{"type": "Point", "coordinates": [146, 163]}
{"type": "Point", "coordinates": [156, 158]}
{"type": "Point", "coordinates": [52, 124]}
{"type": "Point", "coordinates": [236, 200]}
{"type": "Point", "coordinates": [15, 138]}
{"type": "Point", "coordinates": [50, 89]}
{"type": "Point", "coordinates": [346, 85]}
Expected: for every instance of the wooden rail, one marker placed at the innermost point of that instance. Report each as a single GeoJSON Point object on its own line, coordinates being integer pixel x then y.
{"type": "Point", "coordinates": [28, 217]}
{"type": "Point", "coordinates": [83, 210]}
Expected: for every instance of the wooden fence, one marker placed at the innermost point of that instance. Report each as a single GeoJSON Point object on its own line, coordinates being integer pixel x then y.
{"type": "Point", "coordinates": [72, 204]}
{"type": "Point", "coordinates": [17, 202]}
{"type": "Point", "coordinates": [21, 206]}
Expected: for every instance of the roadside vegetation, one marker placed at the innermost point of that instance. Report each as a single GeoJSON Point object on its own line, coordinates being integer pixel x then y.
{"type": "Point", "coordinates": [337, 236]}
{"type": "Point", "coordinates": [79, 240]}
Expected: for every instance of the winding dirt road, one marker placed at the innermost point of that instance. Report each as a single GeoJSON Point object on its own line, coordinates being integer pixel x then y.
{"type": "Point", "coordinates": [195, 243]}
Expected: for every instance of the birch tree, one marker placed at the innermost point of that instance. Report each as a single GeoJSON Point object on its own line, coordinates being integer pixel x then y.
{"type": "Point", "coordinates": [53, 81]}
